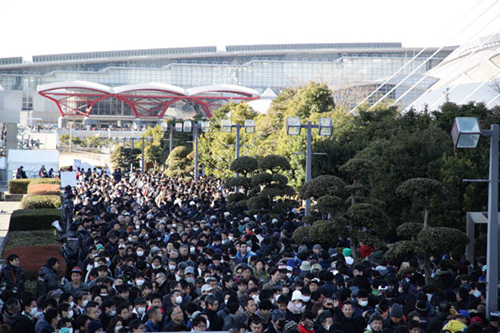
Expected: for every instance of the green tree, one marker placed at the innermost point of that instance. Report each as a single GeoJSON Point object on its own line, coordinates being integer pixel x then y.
{"type": "Point", "coordinates": [180, 162]}
{"type": "Point", "coordinates": [217, 149]}
{"type": "Point", "coordinates": [123, 157]}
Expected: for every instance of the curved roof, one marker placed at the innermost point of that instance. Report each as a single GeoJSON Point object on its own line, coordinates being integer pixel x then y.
{"type": "Point", "coordinates": [145, 99]}
{"type": "Point", "coordinates": [150, 86]}
{"type": "Point", "coordinates": [469, 78]}
{"type": "Point", "coordinates": [223, 88]}
{"type": "Point", "coordinates": [74, 85]}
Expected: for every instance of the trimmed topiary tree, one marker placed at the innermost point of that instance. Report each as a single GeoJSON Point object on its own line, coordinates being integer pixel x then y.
{"type": "Point", "coordinates": [326, 232]}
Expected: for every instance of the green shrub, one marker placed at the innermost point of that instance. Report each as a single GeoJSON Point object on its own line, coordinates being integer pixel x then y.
{"type": "Point", "coordinates": [41, 201]}
{"type": "Point", "coordinates": [33, 219]}
{"type": "Point", "coordinates": [299, 234]}
{"type": "Point", "coordinates": [326, 232]}
{"type": "Point", "coordinates": [19, 186]}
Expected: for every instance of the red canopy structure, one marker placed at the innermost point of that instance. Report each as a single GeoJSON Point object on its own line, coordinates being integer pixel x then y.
{"type": "Point", "coordinates": [147, 100]}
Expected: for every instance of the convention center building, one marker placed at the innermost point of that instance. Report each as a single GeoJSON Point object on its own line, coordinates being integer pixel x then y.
{"type": "Point", "coordinates": [119, 87]}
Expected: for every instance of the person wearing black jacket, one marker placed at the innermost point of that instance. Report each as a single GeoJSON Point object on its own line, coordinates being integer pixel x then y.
{"type": "Point", "coordinates": [12, 279]}
{"type": "Point", "coordinates": [212, 305]}
{"type": "Point", "coordinates": [346, 321]}
{"type": "Point", "coordinates": [176, 321]}
{"type": "Point", "coordinates": [47, 277]}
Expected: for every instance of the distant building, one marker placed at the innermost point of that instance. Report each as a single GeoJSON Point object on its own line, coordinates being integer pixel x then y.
{"type": "Point", "coordinates": [246, 70]}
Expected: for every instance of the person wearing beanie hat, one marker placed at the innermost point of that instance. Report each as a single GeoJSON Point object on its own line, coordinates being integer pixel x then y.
{"type": "Point", "coordinates": [375, 324]}
{"type": "Point", "coordinates": [94, 327]}
{"type": "Point", "coordinates": [347, 252]}
{"type": "Point", "coordinates": [295, 307]}
{"type": "Point", "coordinates": [395, 319]}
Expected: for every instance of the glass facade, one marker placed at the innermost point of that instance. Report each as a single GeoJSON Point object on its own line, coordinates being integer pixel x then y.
{"type": "Point", "coordinates": [255, 66]}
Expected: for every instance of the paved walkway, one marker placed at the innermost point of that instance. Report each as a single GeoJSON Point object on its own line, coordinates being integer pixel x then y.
{"type": "Point", "coordinates": [6, 209]}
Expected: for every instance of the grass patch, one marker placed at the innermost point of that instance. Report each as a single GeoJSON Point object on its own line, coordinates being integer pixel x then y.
{"type": "Point", "coordinates": [29, 238]}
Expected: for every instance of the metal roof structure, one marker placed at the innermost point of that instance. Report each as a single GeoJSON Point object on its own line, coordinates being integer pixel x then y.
{"type": "Point", "coordinates": [147, 100]}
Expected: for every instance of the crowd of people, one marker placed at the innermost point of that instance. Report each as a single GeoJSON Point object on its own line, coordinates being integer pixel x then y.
{"type": "Point", "coordinates": [147, 253]}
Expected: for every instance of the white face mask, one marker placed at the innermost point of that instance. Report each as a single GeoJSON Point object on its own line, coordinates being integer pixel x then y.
{"type": "Point", "coordinates": [140, 253]}
{"type": "Point", "coordinates": [477, 293]}
{"type": "Point", "coordinates": [130, 239]}
{"type": "Point", "coordinates": [171, 267]}
{"type": "Point", "coordinates": [306, 298]}
{"type": "Point", "coordinates": [230, 238]}
{"type": "Point", "coordinates": [256, 298]}
{"type": "Point", "coordinates": [33, 311]}
{"type": "Point", "coordinates": [156, 266]}
{"type": "Point", "coordinates": [141, 310]}
{"type": "Point", "coordinates": [118, 328]}
{"type": "Point", "coordinates": [289, 275]}
{"type": "Point", "coordinates": [139, 282]}
{"type": "Point", "coordinates": [192, 250]}
{"type": "Point", "coordinates": [72, 304]}
{"type": "Point", "coordinates": [178, 299]}
{"type": "Point", "coordinates": [298, 305]}
{"type": "Point", "coordinates": [112, 313]}
{"type": "Point", "coordinates": [85, 302]}
{"type": "Point", "coordinates": [363, 303]}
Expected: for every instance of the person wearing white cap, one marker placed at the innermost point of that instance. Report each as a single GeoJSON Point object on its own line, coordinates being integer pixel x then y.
{"type": "Point", "coordinates": [295, 307]}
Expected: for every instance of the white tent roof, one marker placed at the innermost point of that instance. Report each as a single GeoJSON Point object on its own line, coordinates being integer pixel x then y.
{"type": "Point", "coordinates": [74, 85]}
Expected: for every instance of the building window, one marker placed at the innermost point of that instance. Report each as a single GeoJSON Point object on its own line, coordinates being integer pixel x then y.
{"type": "Point", "coordinates": [27, 101]}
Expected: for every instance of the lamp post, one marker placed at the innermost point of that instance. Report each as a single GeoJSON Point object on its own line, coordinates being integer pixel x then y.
{"type": "Point", "coordinates": [325, 128]}
{"type": "Point", "coordinates": [227, 127]}
{"type": "Point", "coordinates": [465, 134]}
{"type": "Point", "coordinates": [142, 153]}
{"type": "Point", "coordinates": [187, 126]}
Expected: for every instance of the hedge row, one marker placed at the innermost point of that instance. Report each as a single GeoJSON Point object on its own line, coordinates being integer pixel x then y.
{"type": "Point", "coordinates": [41, 201]}
{"type": "Point", "coordinates": [29, 219]}
{"type": "Point", "coordinates": [44, 189]}
{"type": "Point", "coordinates": [20, 186]}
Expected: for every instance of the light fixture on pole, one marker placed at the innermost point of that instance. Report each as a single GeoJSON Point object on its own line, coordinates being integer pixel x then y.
{"type": "Point", "coordinates": [227, 127]}
{"type": "Point", "coordinates": [465, 134]}
{"type": "Point", "coordinates": [293, 127]}
{"type": "Point", "coordinates": [187, 126]}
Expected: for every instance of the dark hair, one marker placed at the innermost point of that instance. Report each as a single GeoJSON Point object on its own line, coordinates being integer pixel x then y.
{"type": "Point", "coordinates": [255, 320]}
{"type": "Point", "coordinates": [12, 257]}
{"type": "Point", "coordinates": [135, 324]}
{"type": "Point", "coordinates": [198, 320]}
{"type": "Point", "coordinates": [51, 261]}
{"type": "Point", "coordinates": [50, 314]}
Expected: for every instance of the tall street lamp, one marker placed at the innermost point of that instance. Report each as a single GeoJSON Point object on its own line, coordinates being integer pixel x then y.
{"type": "Point", "coordinates": [187, 126]}
{"type": "Point", "coordinates": [142, 153]}
{"type": "Point", "coordinates": [465, 134]}
{"type": "Point", "coordinates": [325, 128]}
{"type": "Point", "coordinates": [227, 127]}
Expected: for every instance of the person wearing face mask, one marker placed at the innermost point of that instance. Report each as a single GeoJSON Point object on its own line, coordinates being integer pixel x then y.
{"type": "Point", "coordinates": [25, 321]}
{"type": "Point", "coordinates": [295, 307]}
{"type": "Point", "coordinates": [139, 311]}
{"type": "Point", "coordinates": [108, 311]}
{"type": "Point", "coordinates": [361, 307]}
{"type": "Point", "coordinates": [212, 306]}
{"type": "Point", "coordinates": [325, 321]}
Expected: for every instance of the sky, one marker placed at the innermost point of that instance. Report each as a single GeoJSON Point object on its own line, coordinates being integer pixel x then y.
{"type": "Point", "coordinates": [35, 27]}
